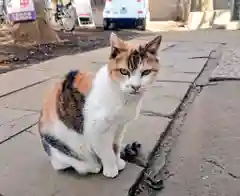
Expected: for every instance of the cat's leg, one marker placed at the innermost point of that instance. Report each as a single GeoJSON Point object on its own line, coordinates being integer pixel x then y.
{"type": "Point", "coordinates": [103, 147]}
{"type": "Point", "coordinates": [61, 161]}
{"type": "Point", "coordinates": [117, 146]}
{"type": "Point", "coordinates": [58, 165]}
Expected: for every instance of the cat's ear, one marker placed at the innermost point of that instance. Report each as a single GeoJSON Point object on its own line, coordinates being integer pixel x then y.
{"type": "Point", "coordinates": [153, 45]}
{"type": "Point", "coordinates": [117, 45]}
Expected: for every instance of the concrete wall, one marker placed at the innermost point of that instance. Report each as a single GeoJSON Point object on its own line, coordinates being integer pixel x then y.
{"type": "Point", "coordinates": [220, 4]}
{"type": "Point", "coordinates": [168, 10]}
{"type": "Point", "coordinates": [163, 9]}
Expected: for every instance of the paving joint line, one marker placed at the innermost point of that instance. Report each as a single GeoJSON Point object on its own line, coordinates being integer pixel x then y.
{"type": "Point", "coordinates": [173, 81]}
{"type": "Point", "coordinates": [157, 114]}
{"type": "Point", "coordinates": [18, 133]}
{"type": "Point", "coordinates": [189, 41]}
{"type": "Point", "coordinates": [221, 79]}
{"type": "Point", "coordinates": [26, 87]}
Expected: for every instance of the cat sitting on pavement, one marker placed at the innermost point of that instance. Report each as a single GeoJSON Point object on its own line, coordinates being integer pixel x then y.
{"type": "Point", "coordinates": [84, 117]}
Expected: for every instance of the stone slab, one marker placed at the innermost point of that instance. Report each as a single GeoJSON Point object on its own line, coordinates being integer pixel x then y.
{"type": "Point", "coordinates": [25, 170]}
{"type": "Point", "coordinates": [169, 52]}
{"type": "Point", "coordinates": [183, 62]}
{"type": "Point", "coordinates": [30, 98]}
{"type": "Point", "coordinates": [62, 65]}
{"type": "Point", "coordinates": [147, 131]}
{"type": "Point", "coordinates": [21, 78]}
{"type": "Point", "coordinates": [164, 98]}
{"type": "Point", "coordinates": [228, 67]}
{"type": "Point", "coordinates": [8, 115]}
{"type": "Point", "coordinates": [16, 126]}
{"type": "Point", "coordinates": [169, 75]}
{"type": "Point", "coordinates": [209, 140]}
{"type": "Point", "coordinates": [203, 47]}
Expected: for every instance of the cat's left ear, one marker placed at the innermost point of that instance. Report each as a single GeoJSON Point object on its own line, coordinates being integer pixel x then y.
{"type": "Point", "coordinates": [117, 45]}
{"type": "Point", "coordinates": [154, 45]}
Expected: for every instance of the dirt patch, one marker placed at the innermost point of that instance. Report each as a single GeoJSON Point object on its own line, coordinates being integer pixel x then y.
{"type": "Point", "coordinates": [13, 56]}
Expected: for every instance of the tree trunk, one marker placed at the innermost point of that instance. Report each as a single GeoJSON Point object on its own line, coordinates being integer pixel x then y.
{"type": "Point", "coordinates": [35, 32]}
{"type": "Point", "coordinates": [206, 5]}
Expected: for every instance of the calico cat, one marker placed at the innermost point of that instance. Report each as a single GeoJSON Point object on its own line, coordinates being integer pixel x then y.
{"type": "Point", "coordinates": [85, 116]}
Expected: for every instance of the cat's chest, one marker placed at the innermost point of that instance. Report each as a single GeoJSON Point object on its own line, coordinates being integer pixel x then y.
{"type": "Point", "coordinates": [123, 112]}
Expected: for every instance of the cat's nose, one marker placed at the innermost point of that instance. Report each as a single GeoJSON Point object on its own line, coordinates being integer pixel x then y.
{"type": "Point", "coordinates": [135, 87]}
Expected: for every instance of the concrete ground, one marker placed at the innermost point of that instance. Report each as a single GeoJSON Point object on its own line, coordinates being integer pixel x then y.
{"type": "Point", "coordinates": [205, 159]}
{"type": "Point", "coordinates": [25, 169]}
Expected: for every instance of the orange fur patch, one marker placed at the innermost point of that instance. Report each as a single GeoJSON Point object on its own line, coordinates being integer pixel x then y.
{"type": "Point", "coordinates": [49, 110]}
{"type": "Point", "coordinates": [83, 82]}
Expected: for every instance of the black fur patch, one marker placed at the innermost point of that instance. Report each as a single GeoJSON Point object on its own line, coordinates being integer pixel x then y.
{"type": "Point", "coordinates": [135, 58]}
{"type": "Point", "coordinates": [46, 146]}
{"type": "Point", "coordinates": [115, 51]}
{"type": "Point", "coordinates": [70, 104]}
{"type": "Point", "coordinates": [48, 140]}
{"type": "Point", "coordinates": [132, 153]}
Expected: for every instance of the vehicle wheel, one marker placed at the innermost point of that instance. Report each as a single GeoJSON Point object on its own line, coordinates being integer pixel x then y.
{"type": "Point", "coordinates": [141, 24]}
{"type": "Point", "coordinates": [105, 24]}
{"type": "Point", "coordinates": [112, 25]}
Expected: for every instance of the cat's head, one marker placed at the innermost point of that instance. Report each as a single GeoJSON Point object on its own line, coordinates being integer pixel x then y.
{"type": "Point", "coordinates": [133, 67]}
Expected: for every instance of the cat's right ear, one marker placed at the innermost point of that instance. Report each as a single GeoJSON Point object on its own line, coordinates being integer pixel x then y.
{"type": "Point", "coordinates": [117, 45]}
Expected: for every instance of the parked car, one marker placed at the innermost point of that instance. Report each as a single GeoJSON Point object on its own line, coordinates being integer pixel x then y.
{"type": "Point", "coordinates": [119, 13]}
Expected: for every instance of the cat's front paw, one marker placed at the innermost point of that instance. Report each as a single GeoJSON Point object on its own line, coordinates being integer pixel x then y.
{"type": "Point", "coordinates": [96, 169]}
{"type": "Point", "coordinates": [110, 172]}
{"type": "Point", "coordinates": [121, 164]}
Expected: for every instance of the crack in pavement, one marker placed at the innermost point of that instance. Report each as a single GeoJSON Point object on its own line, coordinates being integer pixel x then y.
{"type": "Point", "coordinates": [207, 84]}
{"type": "Point", "coordinates": [22, 109]}
{"type": "Point", "coordinates": [201, 57]}
{"type": "Point", "coordinates": [151, 113]}
{"type": "Point", "coordinates": [30, 132]}
{"type": "Point", "coordinates": [215, 163]}
{"type": "Point", "coordinates": [15, 119]}
{"type": "Point", "coordinates": [169, 47]}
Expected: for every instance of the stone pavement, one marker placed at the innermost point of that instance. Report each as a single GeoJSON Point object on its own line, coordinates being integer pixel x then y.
{"type": "Point", "coordinates": [229, 68]}
{"type": "Point", "coordinates": [205, 159]}
{"type": "Point", "coordinates": [25, 169]}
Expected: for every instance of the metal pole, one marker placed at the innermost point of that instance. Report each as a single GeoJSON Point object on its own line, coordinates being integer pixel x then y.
{"type": "Point", "coordinates": [232, 3]}
{"type": "Point", "coordinates": [234, 7]}
{"type": "Point", "coordinates": [2, 7]}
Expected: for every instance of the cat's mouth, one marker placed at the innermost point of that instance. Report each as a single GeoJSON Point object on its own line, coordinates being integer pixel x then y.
{"type": "Point", "coordinates": [136, 93]}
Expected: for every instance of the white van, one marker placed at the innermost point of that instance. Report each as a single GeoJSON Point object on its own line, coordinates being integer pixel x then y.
{"type": "Point", "coordinates": [119, 12]}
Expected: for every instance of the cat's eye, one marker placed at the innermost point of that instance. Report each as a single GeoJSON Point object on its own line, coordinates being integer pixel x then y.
{"type": "Point", "coordinates": [146, 72]}
{"type": "Point", "coordinates": [124, 72]}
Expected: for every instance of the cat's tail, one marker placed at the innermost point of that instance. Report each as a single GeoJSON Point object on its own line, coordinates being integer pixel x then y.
{"type": "Point", "coordinates": [68, 83]}
{"type": "Point", "coordinates": [132, 153]}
